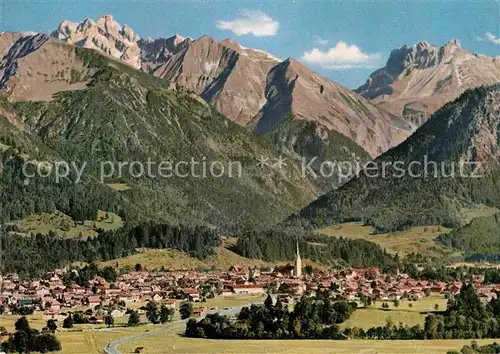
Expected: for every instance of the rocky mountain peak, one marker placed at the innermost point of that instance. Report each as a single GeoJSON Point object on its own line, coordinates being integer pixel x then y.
{"type": "Point", "coordinates": [417, 80]}
{"type": "Point", "coordinates": [454, 43]}
{"type": "Point", "coordinates": [105, 35]}
{"type": "Point", "coordinates": [86, 24]}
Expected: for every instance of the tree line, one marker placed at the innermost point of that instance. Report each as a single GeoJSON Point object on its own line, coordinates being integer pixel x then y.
{"type": "Point", "coordinates": [27, 339]}
{"type": "Point", "coordinates": [311, 318]}
{"type": "Point", "coordinates": [465, 318]}
{"type": "Point", "coordinates": [34, 256]}
{"type": "Point", "coordinates": [279, 245]}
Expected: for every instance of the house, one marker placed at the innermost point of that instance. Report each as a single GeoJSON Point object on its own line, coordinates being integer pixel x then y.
{"type": "Point", "coordinates": [248, 289]}
{"type": "Point", "coordinates": [172, 303]}
{"type": "Point", "coordinates": [198, 311]}
{"type": "Point", "coordinates": [93, 301]}
{"type": "Point", "coordinates": [27, 303]}
{"type": "Point", "coordinates": [191, 294]}
{"type": "Point", "coordinates": [117, 313]}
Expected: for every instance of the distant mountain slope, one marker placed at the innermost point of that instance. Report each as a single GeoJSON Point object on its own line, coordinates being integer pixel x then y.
{"type": "Point", "coordinates": [223, 73]}
{"type": "Point", "coordinates": [463, 132]}
{"type": "Point", "coordinates": [36, 66]}
{"type": "Point", "coordinates": [417, 80]}
{"type": "Point", "coordinates": [249, 86]}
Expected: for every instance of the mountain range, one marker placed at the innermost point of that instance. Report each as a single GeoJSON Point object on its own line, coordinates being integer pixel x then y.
{"type": "Point", "coordinates": [251, 87]}
{"type": "Point", "coordinates": [97, 91]}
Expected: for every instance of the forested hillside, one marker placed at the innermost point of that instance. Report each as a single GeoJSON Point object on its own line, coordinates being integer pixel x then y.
{"type": "Point", "coordinates": [124, 115]}
{"type": "Point", "coordinates": [33, 256]}
{"type": "Point", "coordinates": [479, 239]}
{"type": "Point", "coordinates": [460, 135]}
{"type": "Point", "coordinates": [275, 245]}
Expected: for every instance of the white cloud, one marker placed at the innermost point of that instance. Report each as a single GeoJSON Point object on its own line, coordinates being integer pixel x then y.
{"type": "Point", "coordinates": [490, 37]}
{"type": "Point", "coordinates": [251, 22]}
{"type": "Point", "coordinates": [342, 56]}
{"type": "Point", "coordinates": [320, 41]}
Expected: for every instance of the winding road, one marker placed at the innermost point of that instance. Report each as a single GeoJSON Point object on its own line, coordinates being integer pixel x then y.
{"type": "Point", "coordinates": [112, 348]}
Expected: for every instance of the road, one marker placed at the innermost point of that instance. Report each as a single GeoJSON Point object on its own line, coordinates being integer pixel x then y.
{"type": "Point", "coordinates": [112, 348]}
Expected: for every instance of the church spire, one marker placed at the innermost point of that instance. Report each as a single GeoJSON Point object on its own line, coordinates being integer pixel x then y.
{"type": "Point", "coordinates": [298, 262]}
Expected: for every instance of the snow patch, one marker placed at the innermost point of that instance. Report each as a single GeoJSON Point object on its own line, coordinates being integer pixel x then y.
{"type": "Point", "coordinates": [209, 67]}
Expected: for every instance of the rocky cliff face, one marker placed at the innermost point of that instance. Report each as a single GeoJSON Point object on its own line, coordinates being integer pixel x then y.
{"type": "Point", "coordinates": [224, 73]}
{"type": "Point", "coordinates": [155, 52]}
{"type": "Point", "coordinates": [293, 88]}
{"type": "Point", "coordinates": [417, 80]}
{"type": "Point", "coordinates": [35, 66]}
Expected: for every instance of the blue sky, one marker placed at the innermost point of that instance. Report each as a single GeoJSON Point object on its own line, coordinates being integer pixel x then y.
{"type": "Point", "coordinates": [343, 40]}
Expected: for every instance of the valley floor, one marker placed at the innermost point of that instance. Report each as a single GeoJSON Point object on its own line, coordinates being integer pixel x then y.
{"type": "Point", "coordinates": [171, 341]}
{"type": "Point", "coordinates": [421, 239]}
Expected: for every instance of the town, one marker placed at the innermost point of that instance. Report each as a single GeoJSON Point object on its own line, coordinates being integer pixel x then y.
{"type": "Point", "coordinates": [171, 287]}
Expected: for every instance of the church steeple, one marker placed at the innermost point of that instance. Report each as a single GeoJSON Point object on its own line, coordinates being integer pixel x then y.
{"type": "Point", "coordinates": [298, 262]}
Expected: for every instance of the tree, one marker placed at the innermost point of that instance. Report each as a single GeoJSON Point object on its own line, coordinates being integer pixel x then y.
{"type": "Point", "coordinates": [268, 303]}
{"type": "Point", "coordinates": [308, 269]}
{"type": "Point", "coordinates": [166, 314]}
{"type": "Point", "coordinates": [22, 324]}
{"type": "Point", "coordinates": [436, 307]}
{"type": "Point", "coordinates": [152, 312]}
{"type": "Point", "coordinates": [109, 320]}
{"type": "Point", "coordinates": [134, 318]}
{"type": "Point", "coordinates": [396, 303]}
{"type": "Point", "coordinates": [51, 325]}
{"type": "Point", "coordinates": [46, 342]}
{"type": "Point", "coordinates": [138, 267]}
{"type": "Point", "coordinates": [186, 310]}
{"type": "Point", "coordinates": [21, 341]}
{"type": "Point", "coordinates": [68, 322]}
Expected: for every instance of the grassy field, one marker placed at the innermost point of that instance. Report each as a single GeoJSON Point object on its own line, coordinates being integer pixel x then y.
{"type": "Point", "coordinates": [374, 315]}
{"type": "Point", "coordinates": [35, 321]}
{"type": "Point", "coordinates": [173, 259]}
{"type": "Point", "coordinates": [94, 341]}
{"type": "Point", "coordinates": [64, 226]}
{"type": "Point", "coordinates": [119, 186]}
{"type": "Point", "coordinates": [81, 339]}
{"type": "Point", "coordinates": [417, 239]}
{"type": "Point", "coordinates": [222, 259]}
{"type": "Point", "coordinates": [475, 264]}
{"type": "Point", "coordinates": [171, 341]}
